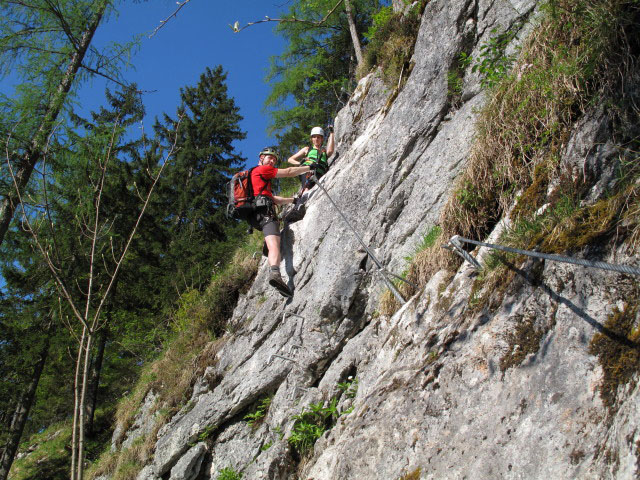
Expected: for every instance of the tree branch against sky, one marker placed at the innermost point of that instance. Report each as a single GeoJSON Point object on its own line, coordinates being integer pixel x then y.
{"type": "Point", "coordinates": [314, 23]}
{"type": "Point", "coordinates": [71, 27]}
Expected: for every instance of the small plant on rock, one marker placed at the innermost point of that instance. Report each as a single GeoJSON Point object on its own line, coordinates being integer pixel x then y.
{"type": "Point", "coordinates": [349, 387]}
{"type": "Point", "coordinates": [311, 423]}
{"type": "Point", "coordinates": [228, 473]}
{"type": "Point", "coordinates": [255, 418]}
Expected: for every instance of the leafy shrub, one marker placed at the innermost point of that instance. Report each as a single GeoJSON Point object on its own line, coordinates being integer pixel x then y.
{"type": "Point", "coordinates": [494, 64]}
{"type": "Point", "coordinates": [391, 40]}
{"type": "Point", "coordinates": [311, 423]}
{"type": "Point", "coordinates": [253, 419]}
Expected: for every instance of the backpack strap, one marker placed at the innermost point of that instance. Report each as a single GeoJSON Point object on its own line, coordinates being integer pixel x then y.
{"type": "Point", "coordinates": [250, 183]}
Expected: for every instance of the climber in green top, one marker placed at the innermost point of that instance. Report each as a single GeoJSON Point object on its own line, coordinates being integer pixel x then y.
{"type": "Point", "coordinates": [314, 154]}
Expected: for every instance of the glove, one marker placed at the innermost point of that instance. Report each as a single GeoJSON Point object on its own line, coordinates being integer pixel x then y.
{"type": "Point", "coordinates": [330, 128]}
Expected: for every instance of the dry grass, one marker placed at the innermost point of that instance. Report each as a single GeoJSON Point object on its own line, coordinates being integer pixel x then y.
{"type": "Point", "coordinates": [199, 318]}
{"type": "Point", "coordinates": [577, 55]}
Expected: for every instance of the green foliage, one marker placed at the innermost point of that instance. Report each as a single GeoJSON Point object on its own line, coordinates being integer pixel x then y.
{"type": "Point", "coordinates": [46, 455]}
{"type": "Point", "coordinates": [315, 74]}
{"type": "Point", "coordinates": [311, 423]}
{"type": "Point", "coordinates": [253, 419]}
{"type": "Point", "coordinates": [391, 39]}
{"type": "Point", "coordinates": [193, 234]}
{"type": "Point", "coordinates": [454, 83]}
{"type": "Point", "coordinates": [493, 64]}
{"type": "Point", "coordinates": [228, 473]}
{"type": "Point", "coordinates": [349, 387]}
{"type": "Point", "coordinates": [206, 433]}
{"type": "Point", "coordinates": [455, 78]}
{"type": "Point", "coordinates": [49, 458]}
{"type": "Point", "coordinates": [429, 239]}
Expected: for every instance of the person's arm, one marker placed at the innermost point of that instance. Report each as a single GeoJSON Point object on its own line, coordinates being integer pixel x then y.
{"type": "Point", "coordinates": [330, 144]}
{"type": "Point", "coordinates": [292, 171]}
{"type": "Point", "coordinates": [296, 158]}
{"type": "Point", "coordinates": [282, 200]}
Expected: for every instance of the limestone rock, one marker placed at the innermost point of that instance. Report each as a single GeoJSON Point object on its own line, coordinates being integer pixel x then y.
{"type": "Point", "coordinates": [443, 390]}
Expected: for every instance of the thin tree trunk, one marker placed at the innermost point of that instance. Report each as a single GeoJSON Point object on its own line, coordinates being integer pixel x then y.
{"type": "Point", "coordinates": [398, 5]}
{"type": "Point", "coordinates": [83, 396]}
{"type": "Point", "coordinates": [76, 404]}
{"type": "Point", "coordinates": [354, 33]}
{"type": "Point", "coordinates": [22, 412]}
{"type": "Point", "coordinates": [94, 380]}
{"type": "Point", "coordinates": [35, 151]}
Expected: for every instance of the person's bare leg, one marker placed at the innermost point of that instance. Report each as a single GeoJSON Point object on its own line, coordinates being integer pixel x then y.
{"type": "Point", "coordinates": [273, 244]}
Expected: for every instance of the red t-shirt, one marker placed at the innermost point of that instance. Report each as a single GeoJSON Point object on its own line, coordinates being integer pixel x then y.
{"type": "Point", "coordinates": [261, 179]}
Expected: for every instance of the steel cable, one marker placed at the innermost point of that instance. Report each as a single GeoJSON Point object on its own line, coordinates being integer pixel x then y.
{"type": "Point", "coordinates": [547, 256]}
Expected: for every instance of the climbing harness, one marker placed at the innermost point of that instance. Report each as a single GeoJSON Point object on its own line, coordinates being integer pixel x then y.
{"type": "Point", "coordinates": [455, 245]}
{"type": "Point", "coordinates": [381, 270]}
{"type": "Point", "coordinates": [319, 157]}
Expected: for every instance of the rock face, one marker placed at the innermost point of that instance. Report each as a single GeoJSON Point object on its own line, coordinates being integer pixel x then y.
{"type": "Point", "coordinates": [441, 392]}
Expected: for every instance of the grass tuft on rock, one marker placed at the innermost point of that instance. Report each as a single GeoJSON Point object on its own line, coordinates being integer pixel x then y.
{"type": "Point", "coordinates": [580, 54]}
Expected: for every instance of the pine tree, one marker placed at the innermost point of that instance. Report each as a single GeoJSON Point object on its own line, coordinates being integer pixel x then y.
{"type": "Point", "coordinates": [192, 197]}
{"type": "Point", "coordinates": [48, 46]}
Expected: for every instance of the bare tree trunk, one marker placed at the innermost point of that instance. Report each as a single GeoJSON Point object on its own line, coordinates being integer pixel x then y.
{"type": "Point", "coordinates": [35, 151]}
{"type": "Point", "coordinates": [354, 33]}
{"type": "Point", "coordinates": [22, 411]}
{"type": "Point", "coordinates": [83, 396]}
{"type": "Point", "coordinates": [398, 5]}
{"type": "Point", "coordinates": [94, 380]}
{"type": "Point", "coordinates": [76, 403]}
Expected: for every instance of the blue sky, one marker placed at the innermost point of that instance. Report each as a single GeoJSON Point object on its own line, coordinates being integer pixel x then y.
{"type": "Point", "coordinates": [198, 37]}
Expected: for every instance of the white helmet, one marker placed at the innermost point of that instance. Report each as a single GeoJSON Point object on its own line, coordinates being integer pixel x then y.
{"type": "Point", "coordinates": [317, 131]}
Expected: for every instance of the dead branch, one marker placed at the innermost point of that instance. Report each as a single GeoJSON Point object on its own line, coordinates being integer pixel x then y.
{"type": "Point", "coordinates": [237, 28]}
{"type": "Point", "coordinates": [94, 240]}
{"type": "Point", "coordinates": [174, 14]}
{"type": "Point", "coordinates": [135, 227]}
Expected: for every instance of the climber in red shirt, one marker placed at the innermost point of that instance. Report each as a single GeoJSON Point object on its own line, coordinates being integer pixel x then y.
{"type": "Point", "coordinates": [266, 219]}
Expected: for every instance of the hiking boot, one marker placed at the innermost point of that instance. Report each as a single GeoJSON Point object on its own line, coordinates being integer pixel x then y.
{"type": "Point", "coordinates": [275, 280]}
{"type": "Point", "coordinates": [295, 214]}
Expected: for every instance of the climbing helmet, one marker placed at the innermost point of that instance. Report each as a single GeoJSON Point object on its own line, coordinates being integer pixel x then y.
{"type": "Point", "coordinates": [269, 151]}
{"type": "Point", "coordinates": [317, 131]}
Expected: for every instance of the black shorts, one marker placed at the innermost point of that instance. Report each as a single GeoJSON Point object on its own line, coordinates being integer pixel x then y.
{"type": "Point", "coordinates": [271, 227]}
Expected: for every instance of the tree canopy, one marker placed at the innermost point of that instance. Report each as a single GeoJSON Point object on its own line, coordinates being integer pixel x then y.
{"type": "Point", "coordinates": [312, 79]}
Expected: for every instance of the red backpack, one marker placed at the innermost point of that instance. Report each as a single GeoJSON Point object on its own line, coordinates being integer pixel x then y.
{"type": "Point", "coordinates": [241, 198]}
